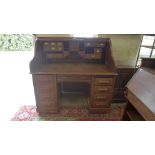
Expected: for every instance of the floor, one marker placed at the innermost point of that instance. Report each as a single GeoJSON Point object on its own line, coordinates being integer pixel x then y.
{"type": "Point", "coordinates": [16, 87]}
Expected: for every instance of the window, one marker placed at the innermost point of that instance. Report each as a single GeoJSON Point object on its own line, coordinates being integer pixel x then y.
{"type": "Point", "coordinates": [147, 48]}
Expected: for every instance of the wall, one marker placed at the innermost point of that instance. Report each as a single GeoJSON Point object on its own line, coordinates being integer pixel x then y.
{"type": "Point", "coordinates": [125, 48]}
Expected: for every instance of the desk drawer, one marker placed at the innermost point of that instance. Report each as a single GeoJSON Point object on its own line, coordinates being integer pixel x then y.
{"type": "Point", "coordinates": [102, 99]}
{"type": "Point", "coordinates": [44, 88]}
{"type": "Point", "coordinates": [45, 93]}
{"type": "Point", "coordinates": [103, 89]}
{"type": "Point", "coordinates": [102, 96]}
{"type": "Point", "coordinates": [73, 78]}
{"type": "Point", "coordinates": [44, 81]}
{"type": "Point", "coordinates": [43, 78]}
{"type": "Point", "coordinates": [46, 100]}
{"type": "Point", "coordinates": [104, 81]}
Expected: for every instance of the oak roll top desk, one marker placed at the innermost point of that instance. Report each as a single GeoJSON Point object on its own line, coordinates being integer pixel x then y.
{"type": "Point", "coordinates": [77, 60]}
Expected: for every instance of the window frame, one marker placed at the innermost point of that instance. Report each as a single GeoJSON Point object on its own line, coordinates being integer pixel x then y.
{"type": "Point", "coordinates": [152, 47]}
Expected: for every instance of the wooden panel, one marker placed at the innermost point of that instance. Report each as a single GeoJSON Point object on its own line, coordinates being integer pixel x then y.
{"type": "Point", "coordinates": [55, 56]}
{"type": "Point", "coordinates": [73, 78]}
{"type": "Point", "coordinates": [142, 85]}
{"type": "Point", "coordinates": [75, 69]}
{"type": "Point", "coordinates": [125, 73]}
{"type": "Point", "coordinates": [141, 108]}
{"type": "Point", "coordinates": [140, 93]}
{"type": "Point", "coordinates": [134, 116]}
{"type": "Point", "coordinates": [42, 78]}
{"type": "Point", "coordinates": [118, 95]}
{"type": "Point", "coordinates": [46, 92]}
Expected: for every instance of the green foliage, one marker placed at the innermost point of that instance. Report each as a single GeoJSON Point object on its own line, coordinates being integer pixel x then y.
{"type": "Point", "coordinates": [16, 42]}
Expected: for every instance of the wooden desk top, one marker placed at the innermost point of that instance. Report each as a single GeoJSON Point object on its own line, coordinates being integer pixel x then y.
{"type": "Point", "coordinates": [75, 69]}
{"type": "Point", "coordinates": [142, 86]}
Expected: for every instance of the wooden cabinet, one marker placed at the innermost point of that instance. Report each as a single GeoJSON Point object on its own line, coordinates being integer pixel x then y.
{"type": "Point", "coordinates": [46, 93]}
{"type": "Point", "coordinates": [125, 73]}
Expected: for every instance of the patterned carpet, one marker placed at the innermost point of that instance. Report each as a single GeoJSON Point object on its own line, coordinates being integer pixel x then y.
{"type": "Point", "coordinates": [28, 113]}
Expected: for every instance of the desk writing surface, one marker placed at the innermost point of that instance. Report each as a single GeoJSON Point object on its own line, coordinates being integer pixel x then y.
{"type": "Point", "coordinates": [142, 85]}
{"type": "Point", "coordinates": [74, 68]}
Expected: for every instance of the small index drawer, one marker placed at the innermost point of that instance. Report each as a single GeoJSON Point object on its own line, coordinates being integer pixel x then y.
{"type": "Point", "coordinates": [103, 81]}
